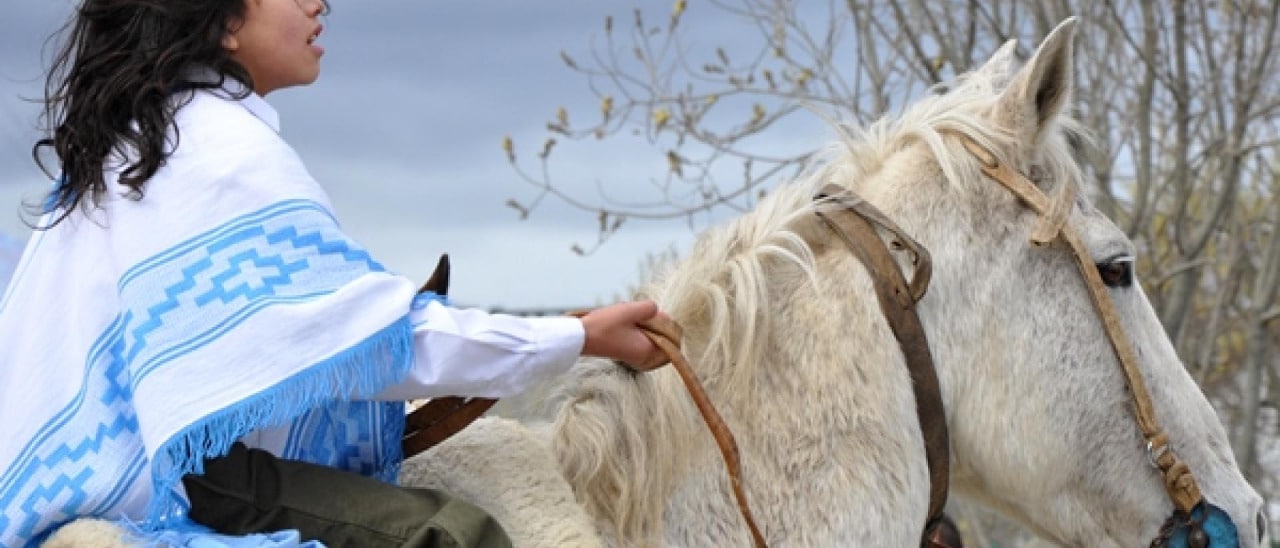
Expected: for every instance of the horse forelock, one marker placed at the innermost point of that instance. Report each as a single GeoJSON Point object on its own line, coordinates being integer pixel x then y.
{"type": "Point", "coordinates": [940, 123]}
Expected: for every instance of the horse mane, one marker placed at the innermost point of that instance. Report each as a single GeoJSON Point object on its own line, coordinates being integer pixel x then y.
{"type": "Point", "coordinates": [617, 432]}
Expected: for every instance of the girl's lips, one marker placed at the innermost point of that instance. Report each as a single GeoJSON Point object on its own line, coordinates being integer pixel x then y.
{"type": "Point", "coordinates": [317, 48]}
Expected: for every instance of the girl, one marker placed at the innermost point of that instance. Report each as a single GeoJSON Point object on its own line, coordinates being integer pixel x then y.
{"type": "Point", "coordinates": [188, 289]}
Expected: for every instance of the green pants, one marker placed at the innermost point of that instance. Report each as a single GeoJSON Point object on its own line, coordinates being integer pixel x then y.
{"type": "Point", "coordinates": [252, 491]}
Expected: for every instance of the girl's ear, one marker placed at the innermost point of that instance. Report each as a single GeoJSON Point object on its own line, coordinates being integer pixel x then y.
{"type": "Point", "coordinates": [229, 40]}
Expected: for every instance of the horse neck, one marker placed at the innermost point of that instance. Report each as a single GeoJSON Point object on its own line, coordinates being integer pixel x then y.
{"type": "Point", "coordinates": [623, 441]}
{"type": "Point", "coordinates": [835, 398]}
{"type": "Point", "coordinates": [814, 387]}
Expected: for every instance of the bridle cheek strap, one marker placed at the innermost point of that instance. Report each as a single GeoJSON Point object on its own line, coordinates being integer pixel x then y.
{"type": "Point", "coordinates": [1179, 483]}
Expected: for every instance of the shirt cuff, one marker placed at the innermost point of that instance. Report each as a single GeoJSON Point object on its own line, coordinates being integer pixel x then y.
{"type": "Point", "coordinates": [560, 344]}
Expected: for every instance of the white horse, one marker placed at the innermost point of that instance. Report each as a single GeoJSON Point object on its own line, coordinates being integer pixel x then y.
{"type": "Point", "coordinates": [783, 327]}
{"type": "Point", "coordinates": [785, 333]}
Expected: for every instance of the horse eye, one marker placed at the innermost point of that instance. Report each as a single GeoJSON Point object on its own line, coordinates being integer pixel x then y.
{"type": "Point", "coordinates": [1116, 272]}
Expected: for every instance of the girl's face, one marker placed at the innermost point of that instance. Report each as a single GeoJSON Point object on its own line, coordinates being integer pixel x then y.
{"type": "Point", "coordinates": [276, 42]}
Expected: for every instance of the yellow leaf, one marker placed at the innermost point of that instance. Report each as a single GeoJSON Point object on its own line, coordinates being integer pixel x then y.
{"type": "Point", "coordinates": [679, 9]}
{"type": "Point", "coordinates": [509, 148]}
{"type": "Point", "coordinates": [803, 78]}
{"type": "Point", "coordinates": [661, 117]}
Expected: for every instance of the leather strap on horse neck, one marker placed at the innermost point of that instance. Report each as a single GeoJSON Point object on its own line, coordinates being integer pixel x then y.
{"type": "Point", "coordinates": [1179, 483]}
{"type": "Point", "coordinates": [851, 218]}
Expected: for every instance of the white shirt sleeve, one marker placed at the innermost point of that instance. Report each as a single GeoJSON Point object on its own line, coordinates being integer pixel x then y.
{"type": "Point", "coordinates": [464, 352]}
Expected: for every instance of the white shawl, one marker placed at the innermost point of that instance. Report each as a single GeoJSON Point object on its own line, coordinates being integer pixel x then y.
{"type": "Point", "coordinates": [227, 304]}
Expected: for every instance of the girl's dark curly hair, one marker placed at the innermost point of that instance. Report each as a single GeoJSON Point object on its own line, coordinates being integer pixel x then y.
{"type": "Point", "coordinates": [117, 82]}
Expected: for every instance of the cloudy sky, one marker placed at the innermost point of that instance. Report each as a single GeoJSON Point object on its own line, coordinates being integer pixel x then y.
{"type": "Point", "coordinates": [404, 130]}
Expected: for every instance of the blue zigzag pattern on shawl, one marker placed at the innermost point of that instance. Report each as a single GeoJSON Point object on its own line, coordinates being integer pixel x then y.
{"type": "Point", "coordinates": [348, 437]}
{"type": "Point", "coordinates": [362, 371]}
{"type": "Point", "coordinates": [104, 421]}
{"type": "Point", "coordinates": [291, 251]}
{"type": "Point", "coordinates": [357, 434]}
{"type": "Point", "coordinates": [227, 232]}
{"type": "Point", "coordinates": [259, 297]}
{"type": "Point", "coordinates": [57, 500]}
{"type": "Point", "coordinates": [13, 473]}
{"type": "Point", "coordinates": [66, 483]}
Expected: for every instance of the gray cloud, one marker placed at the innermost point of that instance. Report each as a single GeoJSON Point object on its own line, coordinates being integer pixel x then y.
{"type": "Point", "coordinates": [404, 130]}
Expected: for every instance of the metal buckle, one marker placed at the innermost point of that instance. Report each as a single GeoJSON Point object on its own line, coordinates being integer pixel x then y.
{"type": "Point", "coordinates": [1153, 455]}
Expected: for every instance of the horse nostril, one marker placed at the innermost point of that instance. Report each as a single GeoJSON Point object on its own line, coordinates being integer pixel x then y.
{"type": "Point", "coordinates": [1262, 525]}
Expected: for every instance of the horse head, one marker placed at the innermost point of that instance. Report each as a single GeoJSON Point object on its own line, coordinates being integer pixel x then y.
{"type": "Point", "coordinates": [784, 328]}
{"type": "Point", "coordinates": [1041, 415]}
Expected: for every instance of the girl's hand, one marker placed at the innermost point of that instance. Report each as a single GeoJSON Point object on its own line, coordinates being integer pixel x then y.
{"type": "Point", "coordinates": [613, 332]}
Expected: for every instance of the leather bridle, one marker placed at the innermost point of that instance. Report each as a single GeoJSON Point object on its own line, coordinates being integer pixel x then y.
{"type": "Point", "coordinates": [852, 220]}
{"type": "Point", "coordinates": [1180, 485]}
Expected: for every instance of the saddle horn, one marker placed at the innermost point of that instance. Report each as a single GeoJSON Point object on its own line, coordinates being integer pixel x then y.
{"type": "Point", "coordinates": [438, 283]}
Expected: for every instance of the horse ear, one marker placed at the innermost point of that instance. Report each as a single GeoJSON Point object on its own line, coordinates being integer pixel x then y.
{"type": "Point", "coordinates": [1043, 87]}
{"type": "Point", "coordinates": [1000, 66]}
